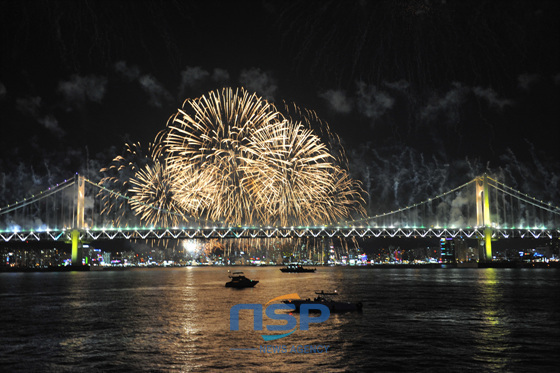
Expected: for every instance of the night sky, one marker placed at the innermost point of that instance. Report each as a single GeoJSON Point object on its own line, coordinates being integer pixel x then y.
{"type": "Point", "coordinates": [426, 95]}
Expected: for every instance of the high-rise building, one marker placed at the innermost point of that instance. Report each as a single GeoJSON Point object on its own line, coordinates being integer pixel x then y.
{"type": "Point", "coordinates": [447, 250]}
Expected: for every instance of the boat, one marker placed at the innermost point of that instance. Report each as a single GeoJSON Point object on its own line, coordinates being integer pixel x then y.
{"type": "Point", "coordinates": [297, 268]}
{"type": "Point", "coordinates": [326, 298]}
{"type": "Point", "coordinates": [238, 280]}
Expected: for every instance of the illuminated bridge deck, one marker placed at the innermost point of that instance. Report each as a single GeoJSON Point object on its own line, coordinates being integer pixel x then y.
{"type": "Point", "coordinates": [269, 232]}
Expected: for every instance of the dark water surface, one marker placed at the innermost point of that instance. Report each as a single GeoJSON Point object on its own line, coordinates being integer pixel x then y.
{"type": "Point", "coordinates": [417, 320]}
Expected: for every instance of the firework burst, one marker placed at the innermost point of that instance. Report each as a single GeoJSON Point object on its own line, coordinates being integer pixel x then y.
{"type": "Point", "coordinates": [152, 197]}
{"type": "Point", "coordinates": [207, 142]}
{"type": "Point", "coordinates": [239, 160]}
{"type": "Point", "coordinates": [232, 157]}
{"type": "Point", "coordinates": [117, 177]}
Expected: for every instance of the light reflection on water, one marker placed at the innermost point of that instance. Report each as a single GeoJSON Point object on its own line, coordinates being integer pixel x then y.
{"type": "Point", "coordinates": [178, 319]}
{"type": "Point", "coordinates": [492, 334]}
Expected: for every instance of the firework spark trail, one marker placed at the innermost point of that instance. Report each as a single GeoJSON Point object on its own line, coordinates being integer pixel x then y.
{"type": "Point", "coordinates": [153, 197]}
{"type": "Point", "coordinates": [303, 175]}
{"type": "Point", "coordinates": [234, 158]}
{"type": "Point", "coordinates": [210, 140]}
{"type": "Point", "coordinates": [118, 175]}
{"type": "Point", "coordinates": [263, 167]}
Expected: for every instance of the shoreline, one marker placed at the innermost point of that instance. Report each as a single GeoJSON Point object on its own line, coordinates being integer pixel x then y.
{"type": "Point", "coordinates": [374, 266]}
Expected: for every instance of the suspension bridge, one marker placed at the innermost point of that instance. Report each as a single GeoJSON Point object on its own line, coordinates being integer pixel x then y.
{"type": "Point", "coordinates": [79, 210]}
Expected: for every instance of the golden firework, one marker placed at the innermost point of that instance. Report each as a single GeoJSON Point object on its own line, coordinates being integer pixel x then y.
{"type": "Point", "coordinates": [232, 157]}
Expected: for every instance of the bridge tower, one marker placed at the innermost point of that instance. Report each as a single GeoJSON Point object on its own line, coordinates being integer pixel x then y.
{"type": "Point", "coordinates": [77, 252]}
{"type": "Point", "coordinates": [483, 214]}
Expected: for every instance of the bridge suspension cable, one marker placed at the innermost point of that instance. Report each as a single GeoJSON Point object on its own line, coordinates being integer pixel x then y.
{"type": "Point", "coordinates": [119, 195]}
{"type": "Point", "coordinates": [524, 197]}
{"type": "Point", "coordinates": [36, 198]}
{"type": "Point", "coordinates": [429, 200]}
{"type": "Point", "coordinates": [50, 215]}
{"type": "Point", "coordinates": [416, 214]}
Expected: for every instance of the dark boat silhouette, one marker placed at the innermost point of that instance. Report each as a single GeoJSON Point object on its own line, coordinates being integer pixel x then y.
{"type": "Point", "coordinates": [238, 280]}
{"type": "Point", "coordinates": [325, 298]}
{"type": "Point", "coordinates": [297, 268]}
